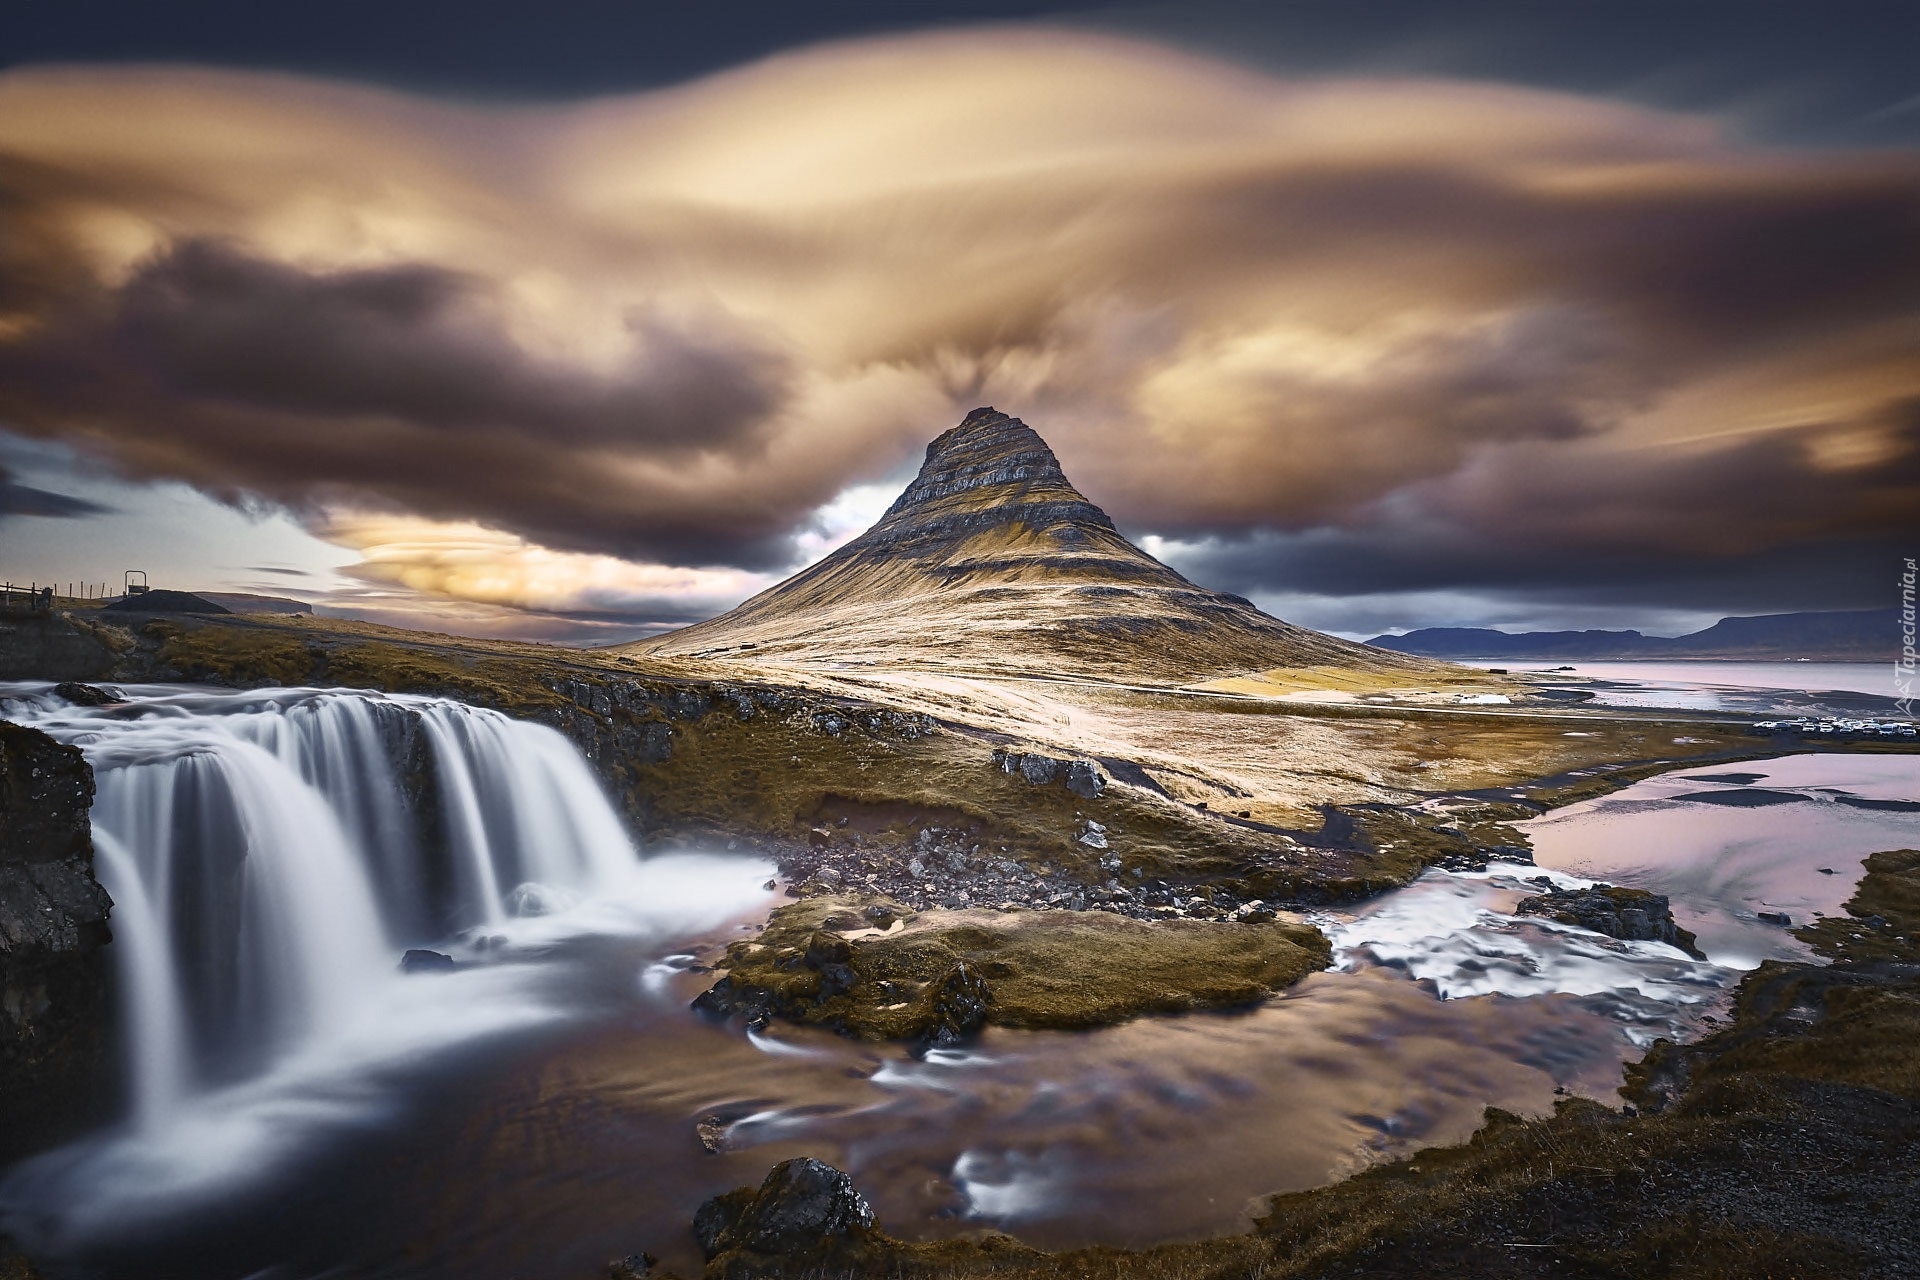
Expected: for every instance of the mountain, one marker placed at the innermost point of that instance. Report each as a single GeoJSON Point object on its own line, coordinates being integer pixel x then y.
{"type": "Point", "coordinates": [991, 561]}
{"type": "Point", "coordinates": [1863, 635]}
{"type": "Point", "coordinates": [246, 602]}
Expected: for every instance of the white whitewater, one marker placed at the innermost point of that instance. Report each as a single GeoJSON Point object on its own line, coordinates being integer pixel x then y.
{"type": "Point", "coordinates": [272, 854]}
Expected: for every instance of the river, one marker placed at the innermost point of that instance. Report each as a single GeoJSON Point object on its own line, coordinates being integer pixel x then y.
{"type": "Point", "coordinates": [301, 1107]}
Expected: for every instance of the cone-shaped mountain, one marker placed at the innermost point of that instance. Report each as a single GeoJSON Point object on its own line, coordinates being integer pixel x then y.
{"type": "Point", "coordinates": [992, 561]}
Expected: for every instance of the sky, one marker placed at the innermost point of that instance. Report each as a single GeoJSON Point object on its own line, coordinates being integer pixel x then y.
{"type": "Point", "coordinates": [583, 321]}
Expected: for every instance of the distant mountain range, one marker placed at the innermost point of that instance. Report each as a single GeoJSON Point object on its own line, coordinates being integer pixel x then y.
{"type": "Point", "coordinates": [992, 560]}
{"type": "Point", "coordinates": [243, 602]}
{"type": "Point", "coordinates": [1861, 635]}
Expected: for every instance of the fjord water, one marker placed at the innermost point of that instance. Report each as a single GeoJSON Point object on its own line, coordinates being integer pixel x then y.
{"type": "Point", "coordinates": [301, 1107]}
{"type": "Point", "coordinates": [1745, 688]}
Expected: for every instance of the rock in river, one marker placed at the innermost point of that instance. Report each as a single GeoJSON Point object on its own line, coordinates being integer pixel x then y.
{"type": "Point", "coordinates": [418, 960]}
{"type": "Point", "coordinates": [1633, 915]}
{"type": "Point", "coordinates": [804, 1208]}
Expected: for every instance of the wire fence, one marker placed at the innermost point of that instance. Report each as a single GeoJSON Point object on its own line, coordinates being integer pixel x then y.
{"type": "Point", "coordinates": [35, 597]}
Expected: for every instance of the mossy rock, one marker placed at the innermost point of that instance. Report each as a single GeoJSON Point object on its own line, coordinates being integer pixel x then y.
{"type": "Point", "coordinates": [865, 968]}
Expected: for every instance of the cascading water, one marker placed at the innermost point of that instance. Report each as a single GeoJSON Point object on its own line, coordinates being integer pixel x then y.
{"type": "Point", "coordinates": [270, 855]}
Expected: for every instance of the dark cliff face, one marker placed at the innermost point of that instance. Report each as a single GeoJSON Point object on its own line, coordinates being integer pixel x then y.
{"type": "Point", "coordinates": [991, 560]}
{"type": "Point", "coordinates": [48, 646]}
{"type": "Point", "coordinates": [55, 1009]}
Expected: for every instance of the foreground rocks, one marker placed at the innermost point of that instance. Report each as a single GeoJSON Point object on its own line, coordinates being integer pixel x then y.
{"type": "Point", "coordinates": [803, 1206]}
{"type": "Point", "coordinates": [807, 1217]}
{"type": "Point", "coordinates": [1632, 915]}
{"type": "Point", "coordinates": [874, 970]}
{"type": "Point", "coordinates": [55, 1014]}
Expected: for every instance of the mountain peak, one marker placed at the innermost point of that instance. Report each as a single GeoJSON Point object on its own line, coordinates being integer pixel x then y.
{"type": "Point", "coordinates": [990, 472]}
{"type": "Point", "coordinates": [991, 560]}
{"type": "Point", "coordinates": [988, 432]}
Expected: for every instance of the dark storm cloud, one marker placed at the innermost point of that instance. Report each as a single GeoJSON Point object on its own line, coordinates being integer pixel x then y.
{"type": "Point", "coordinates": [24, 500]}
{"type": "Point", "coordinates": [1741, 528]}
{"type": "Point", "coordinates": [1577, 308]}
{"type": "Point", "coordinates": [397, 383]}
{"type": "Point", "coordinates": [1393, 565]}
{"type": "Point", "coordinates": [408, 344]}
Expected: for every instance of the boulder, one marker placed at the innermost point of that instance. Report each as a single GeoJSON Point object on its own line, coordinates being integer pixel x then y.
{"type": "Point", "coordinates": [87, 695]}
{"type": "Point", "coordinates": [418, 960]}
{"type": "Point", "coordinates": [804, 1209]}
{"type": "Point", "coordinates": [831, 957]}
{"type": "Point", "coordinates": [1038, 770]}
{"type": "Point", "coordinates": [1632, 915]}
{"type": "Point", "coordinates": [1085, 779]}
{"type": "Point", "coordinates": [711, 1130]}
{"type": "Point", "coordinates": [959, 1000]}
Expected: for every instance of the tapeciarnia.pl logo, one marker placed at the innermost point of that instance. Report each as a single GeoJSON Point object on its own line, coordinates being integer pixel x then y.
{"type": "Point", "coordinates": [1904, 664]}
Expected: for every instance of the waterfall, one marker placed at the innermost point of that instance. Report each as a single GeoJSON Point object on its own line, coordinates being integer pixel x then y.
{"type": "Point", "coordinates": [271, 854]}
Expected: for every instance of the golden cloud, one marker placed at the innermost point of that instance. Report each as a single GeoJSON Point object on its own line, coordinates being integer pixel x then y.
{"type": "Point", "coordinates": [669, 326]}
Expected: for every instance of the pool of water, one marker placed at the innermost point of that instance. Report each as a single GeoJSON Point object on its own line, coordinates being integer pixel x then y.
{"type": "Point", "coordinates": [1726, 842]}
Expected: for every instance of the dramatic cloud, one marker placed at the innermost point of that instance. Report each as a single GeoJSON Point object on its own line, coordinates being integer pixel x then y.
{"type": "Point", "coordinates": [487, 567]}
{"type": "Point", "coordinates": [25, 500]}
{"type": "Point", "coordinates": [1334, 335]}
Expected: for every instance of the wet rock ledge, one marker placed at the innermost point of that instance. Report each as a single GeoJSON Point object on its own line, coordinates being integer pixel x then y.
{"type": "Point", "coordinates": [1632, 915]}
{"type": "Point", "coordinates": [872, 969]}
{"type": "Point", "coordinates": [55, 1011]}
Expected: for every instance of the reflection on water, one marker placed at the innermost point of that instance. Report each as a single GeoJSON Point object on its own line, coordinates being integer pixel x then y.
{"type": "Point", "coordinates": [1726, 843]}
{"type": "Point", "coordinates": [548, 1164]}
{"type": "Point", "coordinates": [543, 1154]}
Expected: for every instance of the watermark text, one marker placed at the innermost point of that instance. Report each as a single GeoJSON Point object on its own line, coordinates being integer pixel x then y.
{"type": "Point", "coordinates": [1903, 665]}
